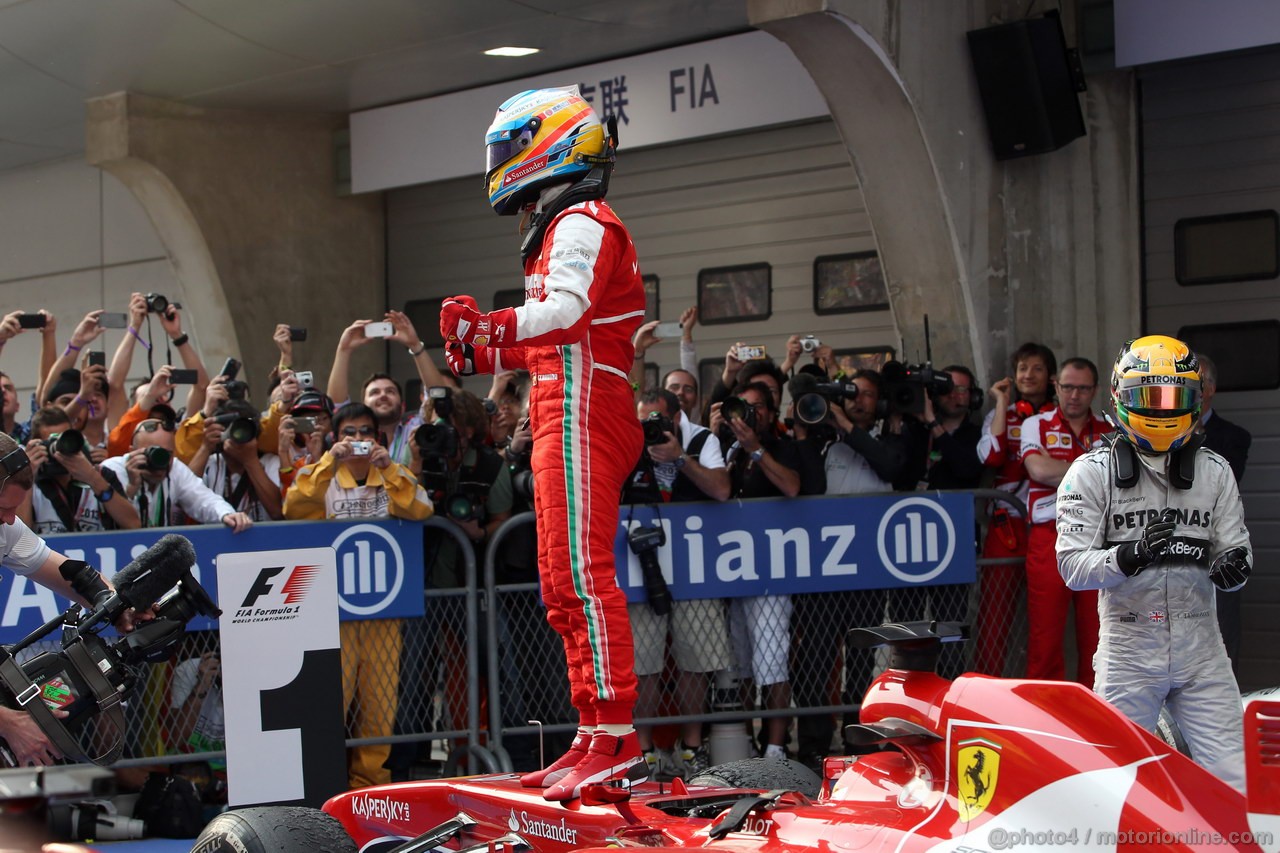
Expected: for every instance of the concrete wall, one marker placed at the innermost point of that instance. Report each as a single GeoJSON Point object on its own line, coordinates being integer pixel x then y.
{"type": "Point", "coordinates": [1043, 248]}
{"type": "Point", "coordinates": [245, 206]}
{"type": "Point", "coordinates": [73, 239]}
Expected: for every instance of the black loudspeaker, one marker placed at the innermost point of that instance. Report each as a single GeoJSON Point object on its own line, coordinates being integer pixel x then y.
{"type": "Point", "coordinates": [1028, 81]}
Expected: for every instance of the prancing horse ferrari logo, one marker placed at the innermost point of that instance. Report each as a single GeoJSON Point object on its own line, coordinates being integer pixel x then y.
{"type": "Point", "coordinates": [977, 772]}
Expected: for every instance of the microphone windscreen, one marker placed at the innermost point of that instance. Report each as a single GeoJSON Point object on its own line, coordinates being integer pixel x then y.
{"type": "Point", "coordinates": [801, 384]}
{"type": "Point", "coordinates": [155, 571]}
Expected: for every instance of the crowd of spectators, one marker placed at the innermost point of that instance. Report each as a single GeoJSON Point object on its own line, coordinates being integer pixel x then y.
{"type": "Point", "coordinates": [109, 457]}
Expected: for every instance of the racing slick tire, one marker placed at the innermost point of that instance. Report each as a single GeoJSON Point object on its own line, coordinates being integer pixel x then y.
{"type": "Point", "coordinates": [763, 774]}
{"type": "Point", "coordinates": [274, 829]}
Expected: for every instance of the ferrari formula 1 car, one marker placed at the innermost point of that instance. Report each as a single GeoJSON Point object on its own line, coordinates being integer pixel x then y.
{"type": "Point", "coordinates": [975, 764]}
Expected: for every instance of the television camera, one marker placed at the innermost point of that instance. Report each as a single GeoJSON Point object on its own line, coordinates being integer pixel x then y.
{"type": "Point", "coordinates": [91, 674]}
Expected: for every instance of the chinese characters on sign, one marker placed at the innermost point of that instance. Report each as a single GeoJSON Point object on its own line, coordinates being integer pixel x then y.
{"type": "Point", "coordinates": [613, 97]}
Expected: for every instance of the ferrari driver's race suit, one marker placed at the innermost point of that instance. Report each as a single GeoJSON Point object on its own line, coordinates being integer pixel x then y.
{"type": "Point", "coordinates": [1159, 641]}
{"type": "Point", "coordinates": [583, 302]}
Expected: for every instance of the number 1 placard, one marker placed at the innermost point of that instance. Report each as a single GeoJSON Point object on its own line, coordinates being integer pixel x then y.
{"type": "Point", "coordinates": [282, 676]}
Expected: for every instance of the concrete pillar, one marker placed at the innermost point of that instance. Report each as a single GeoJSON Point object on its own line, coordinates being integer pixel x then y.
{"type": "Point", "coordinates": [245, 205]}
{"type": "Point", "coordinates": [1043, 248]}
{"type": "Point", "coordinates": [900, 184]}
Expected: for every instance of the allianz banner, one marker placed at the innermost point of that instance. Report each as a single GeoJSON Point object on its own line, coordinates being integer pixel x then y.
{"type": "Point", "coordinates": [379, 566]}
{"type": "Point", "coordinates": [771, 547]}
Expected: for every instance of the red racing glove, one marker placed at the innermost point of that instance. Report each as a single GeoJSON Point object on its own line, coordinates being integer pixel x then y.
{"type": "Point", "coordinates": [461, 320]}
{"type": "Point", "coordinates": [468, 360]}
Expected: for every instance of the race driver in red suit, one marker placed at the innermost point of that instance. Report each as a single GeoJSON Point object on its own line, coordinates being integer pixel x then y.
{"type": "Point", "coordinates": [549, 158]}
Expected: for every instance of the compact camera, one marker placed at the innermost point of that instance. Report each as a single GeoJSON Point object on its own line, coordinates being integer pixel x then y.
{"type": "Point", "coordinates": [361, 448]}
{"type": "Point", "coordinates": [810, 343]}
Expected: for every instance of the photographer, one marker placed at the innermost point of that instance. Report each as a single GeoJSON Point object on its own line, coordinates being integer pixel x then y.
{"type": "Point", "coordinates": [946, 448]}
{"type": "Point", "coordinates": [681, 462]}
{"type": "Point", "coordinates": [171, 322]}
{"type": "Point", "coordinates": [25, 553]}
{"type": "Point", "coordinates": [11, 327]}
{"type": "Point", "coordinates": [356, 478]}
{"type": "Point", "coordinates": [764, 464]}
{"type": "Point", "coordinates": [229, 463]}
{"type": "Point", "coordinates": [863, 460]}
{"type": "Point", "coordinates": [738, 374]}
{"type": "Point", "coordinates": [165, 493]}
{"type": "Point", "coordinates": [82, 395]}
{"type": "Point", "coordinates": [72, 494]}
{"type": "Point", "coordinates": [304, 435]}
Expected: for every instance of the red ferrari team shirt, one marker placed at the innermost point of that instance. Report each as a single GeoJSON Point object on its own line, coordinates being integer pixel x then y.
{"type": "Point", "coordinates": [1003, 452]}
{"type": "Point", "coordinates": [1049, 433]}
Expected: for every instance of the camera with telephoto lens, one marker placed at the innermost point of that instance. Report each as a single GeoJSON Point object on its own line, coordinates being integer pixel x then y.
{"type": "Point", "coordinates": [89, 676]}
{"type": "Point", "coordinates": [157, 459]}
{"type": "Point", "coordinates": [69, 442]}
{"type": "Point", "coordinates": [242, 425]}
{"type": "Point", "coordinates": [463, 505]}
{"type": "Point", "coordinates": [736, 408]}
{"type": "Point", "coordinates": [645, 542]}
{"type": "Point", "coordinates": [159, 304]}
{"type": "Point", "coordinates": [810, 343]}
{"type": "Point", "coordinates": [814, 399]}
{"type": "Point", "coordinates": [905, 386]}
{"type": "Point", "coordinates": [656, 427]}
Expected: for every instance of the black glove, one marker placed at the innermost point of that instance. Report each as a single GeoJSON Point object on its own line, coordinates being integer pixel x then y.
{"type": "Point", "coordinates": [1231, 569]}
{"type": "Point", "coordinates": [1133, 557]}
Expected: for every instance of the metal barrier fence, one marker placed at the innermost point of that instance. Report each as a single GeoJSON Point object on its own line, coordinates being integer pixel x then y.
{"type": "Point", "coordinates": [436, 665]}
{"type": "Point", "coordinates": [801, 647]}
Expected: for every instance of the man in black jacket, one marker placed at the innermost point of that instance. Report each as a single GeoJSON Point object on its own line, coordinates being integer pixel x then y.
{"type": "Point", "coordinates": [1232, 443]}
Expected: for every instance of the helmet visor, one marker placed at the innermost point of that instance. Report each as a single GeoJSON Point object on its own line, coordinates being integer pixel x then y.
{"type": "Point", "coordinates": [1159, 401]}
{"type": "Point", "coordinates": [509, 145]}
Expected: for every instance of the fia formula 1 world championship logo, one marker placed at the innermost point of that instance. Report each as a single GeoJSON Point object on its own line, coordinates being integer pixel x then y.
{"type": "Point", "coordinates": [916, 540]}
{"type": "Point", "coordinates": [370, 569]}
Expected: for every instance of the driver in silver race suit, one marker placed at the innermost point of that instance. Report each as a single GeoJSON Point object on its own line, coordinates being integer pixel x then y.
{"type": "Point", "coordinates": [1155, 522]}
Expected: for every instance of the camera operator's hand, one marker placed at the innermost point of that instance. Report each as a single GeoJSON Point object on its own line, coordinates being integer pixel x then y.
{"type": "Point", "coordinates": [171, 320]}
{"type": "Point", "coordinates": [841, 418]}
{"type": "Point", "coordinates": [715, 420]}
{"type": "Point", "coordinates": [926, 414]}
{"type": "Point", "coordinates": [134, 464]}
{"type": "Point", "coordinates": [246, 454]}
{"type": "Point", "coordinates": [207, 672]}
{"type": "Point", "coordinates": [285, 436]}
{"type": "Point", "coordinates": [746, 435]}
{"type": "Point", "coordinates": [37, 453]}
{"type": "Point", "coordinates": [9, 327]}
{"type": "Point", "coordinates": [731, 365]}
{"type": "Point", "coordinates": [402, 330]}
{"type": "Point", "coordinates": [93, 379]}
{"type": "Point", "coordinates": [137, 310]}
{"type": "Point", "coordinates": [284, 343]}
{"type": "Point", "coordinates": [500, 383]}
{"type": "Point", "coordinates": [158, 390]}
{"type": "Point", "coordinates": [98, 455]}
{"type": "Point", "coordinates": [1001, 390]}
{"type": "Point", "coordinates": [215, 395]}
{"type": "Point", "coordinates": [825, 357]}
{"type": "Point", "coordinates": [290, 389]}
{"type": "Point", "coordinates": [379, 457]}
{"type": "Point", "coordinates": [794, 351]}
{"type": "Point", "coordinates": [471, 527]}
{"type": "Point", "coordinates": [130, 619]}
{"type": "Point", "coordinates": [237, 521]}
{"type": "Point", "coordinates": [88, 330]}
{"type": "Point", "coordinates": [341, 449]}
{"type": "Point", "coordinates": [353, 336]}
{"type": "Point", "coordinates": [522, 438]}
{"type": "Point", "coordinates": [28, 742]}
{"type": "Point", "coordinates": [50, 322]}
{"type": "Point", "coordinates": [80, 468]}
{"type": "Point", "coordinates": [212, 437]}
{"type": "Point", "coordinates": [688, 319]}
{"type": "Point", "coordinates": [645, 338]}
{"type": "Point", "coordinates": [668, 451]}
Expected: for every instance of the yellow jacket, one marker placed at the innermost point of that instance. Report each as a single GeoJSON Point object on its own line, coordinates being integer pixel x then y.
{"type": "Point", "coordinates": [327, 490]}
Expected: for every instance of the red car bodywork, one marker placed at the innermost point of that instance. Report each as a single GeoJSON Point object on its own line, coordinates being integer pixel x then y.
{"type": "Point", "coordinates": [980, 764]}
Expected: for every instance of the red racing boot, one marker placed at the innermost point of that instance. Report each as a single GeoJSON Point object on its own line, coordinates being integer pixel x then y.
{"type": "Point", "coordinates": [611, 759]}
{"type": "Point", "coordinates": [561, 767]}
